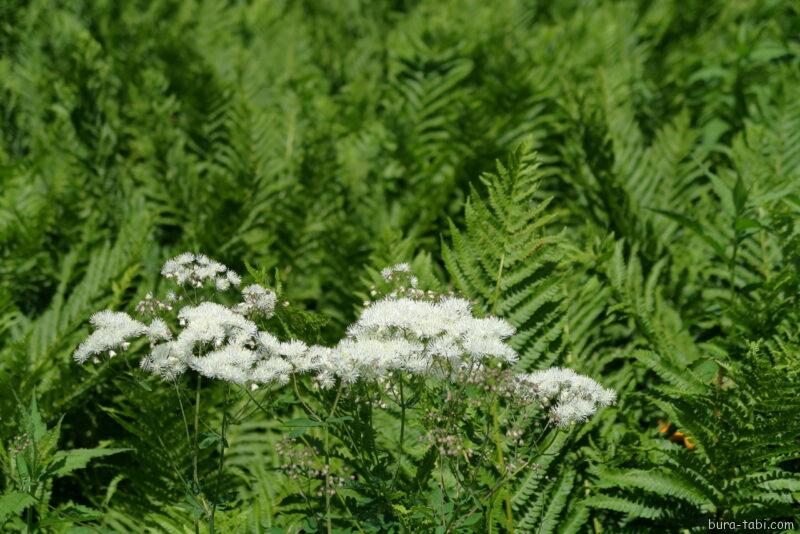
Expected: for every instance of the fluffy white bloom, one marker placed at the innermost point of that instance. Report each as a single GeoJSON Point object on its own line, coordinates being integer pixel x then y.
{"type": "Point", "coordinates": [388, 272]}
{"type": "Point", "coordinates": [292, 349]}
{"type": "Point", "coordinates": [272, 370]}
{"type": "Point", "coordinates": [373, 358]}
{"type": "Point", "coordinates": [112, 329]}
{"type": "Point", "coordinates": [214, 324]}
{"type": "Point", "coordinates": [257, 299]}
{"type": "Point", "coordinates": [164, 361]}
{"type": "Point", "coordinates": [447, 326]}
{"type": "Point", "coordinates": [316, 358]}
{"type": "Point", "coordinates": [195, 271]}
{"type": "Point", "coordinates": [233, 278]}
{"type": "Point", "coordinates": [231, 363]}
{"type": "Point", "coordinates": [267, 344]}
{"type": "Point", "coordinates": [403, 269]}
{"type": "Point", "coordinates": [158, 331]}
{"type": "Point", "coordinates": [409, 335]}
{"type": "Point", "coordinates": [420, 318]}
{"type": "Point", "coordinates": [572, 397]}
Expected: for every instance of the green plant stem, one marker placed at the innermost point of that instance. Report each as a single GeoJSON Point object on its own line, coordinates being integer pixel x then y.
{"type": "Point", "coordinates": [327, 462]}
{"type": "Point", "coordinates": [29, 519]}
{"type": "Point", "coordinates": [491, 492]}
{"type": "Point", "coordinates": [441, 487]}
{"type": "Point", "coordinates": [400, 452]}
{"type": "Point", "coordinates": [192, 444]}
{"type": "Point", "coordinates": [307, 408]}
{"type": "Point", "coordinates": [501, 463]}
{"type": "Point", "coordinates": [223, 428]}
{"type": "Point", "coordinates": [195, 476]}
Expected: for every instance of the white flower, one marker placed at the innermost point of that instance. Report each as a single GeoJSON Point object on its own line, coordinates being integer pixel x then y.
{"type": "Point", "coordinates": [231, 363]}
{"type": "Point", "coordinates": [158, 331]}
{"type": "Point", "coordinates": [409, 335]}
{"type": "Point", "coordinates": [112, 329]}
{"type": "Point", "coordinates": [272, 370]}
{"type": "Point", "coordinates": [374, 358]}
{"type": "Point", "coordinates": [212, 323]}
{"type": "Point", "coordinates": [257, 299]}
{"type": "Point", "coordinates": [388, 273]}
{"type": "Point", "coordinates": [315, 358]}
{"type": "Point", "coordinates": [292, 349]}
{"type": "Point", "coordinates": [422, 319]}
{"type": "Point", "coordinates": [572, 397]}
{"type": "Point", "coordinates": [233, 278]}
{"type": "Point", "coordinates": [267, 344]}
{"type": "Point", "coordinates": [194, 271]}
{"type": "Point", "coordinates": [164, 361]}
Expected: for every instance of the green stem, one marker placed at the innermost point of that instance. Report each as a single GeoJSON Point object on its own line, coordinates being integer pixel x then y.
{"type": "Point", "coordinates": [401, 452]}
{"type": "Point", "coordinates": [307, 408]}
{"type": "Point", "coordinates": [501, 463]}
{"type": "Point", "coordinates": [327, 463]}
{"type": "Point", "coordinates": [196, 431]}
{"type": "Point", "coordinates": [192, 444]}
{"type": "Point", "coordinates": [29, 519]}
{"type": "Point", "coordinates": [221, 460]}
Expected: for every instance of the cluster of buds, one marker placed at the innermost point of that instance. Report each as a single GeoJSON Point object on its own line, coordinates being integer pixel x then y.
{"type": "Point", "coordinates": [515, 436]}
{"type": "Point", "coordinates": [380, 404]}
{"type": "Point", "coordinates": [192, 270]}
{"type": "Point", "coordinates": [404, 285]}
{"type": "Point", "coordinates": [297, 462]}
{"type": "Point", "coordinates": [151, 305]}
{"type": "Point", "coordinates": [19, 443]}
{"type": "Point", "coordinates": [447, 444]}
{"type": "Point", "coordinates": [331, 481]}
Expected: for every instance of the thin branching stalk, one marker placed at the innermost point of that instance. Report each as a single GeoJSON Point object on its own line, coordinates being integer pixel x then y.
{"type": "Point", "coordinates": [400, 453]}
{"type": "Point", "coordinates": [327, 468]}
{"type": "Point", "coordinates": [223, 428]}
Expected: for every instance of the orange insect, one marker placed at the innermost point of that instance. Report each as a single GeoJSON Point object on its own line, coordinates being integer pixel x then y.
{"type": "Point", "coordinates": [671, 432]}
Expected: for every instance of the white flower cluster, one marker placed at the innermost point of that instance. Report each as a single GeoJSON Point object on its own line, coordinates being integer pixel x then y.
{"type": "Point", "coordinates": [112, 331]}
{"type": "Point", "coordinates": [417, 332]}
{"type": "Point", "coordinates": [570, 397]}
{"type": "Point", "coordinates": [221, 343]}
{"type": "Point", "coordinates": [402, 269]}
{"type": "Point", "coordinates": [215, 340]}
{"type": "Point", "coordinates": [192, 270]}
{"type": "Point", "coordinates": [257, 299]}
{"type": "Point", "coordinates": [412, 335]}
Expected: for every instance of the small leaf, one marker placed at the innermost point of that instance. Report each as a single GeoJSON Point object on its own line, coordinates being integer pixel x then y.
{"type": "Point", "coordinates": [14, 503]}
{"type": "Point", "coordinates": [470, 520]}
{"type": "Point", "coordinates": [297, 432]}
{"type": "Point", "coordinates": [302, 422]}
{"type": "Point", "coordinates": [79, 458]}
{"type": "Point", "coordinates": [208, 439]}
{"type": "Point", "coordinates": [338, 419]}
{"type": "Point", "coordinates": [112, 488]}
{"type": "Point", "coordinates": [34, 425]}
{"type": "Point", "coordinates": [745, 223]}
{"type": "Point", "coordinates": [72, 513]}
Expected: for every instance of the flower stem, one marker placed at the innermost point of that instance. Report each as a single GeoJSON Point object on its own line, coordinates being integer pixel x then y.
{"type": "Point", "coordinates": [501, 465]}
{"type": "Point", "coordinates": [400, 452]}
{"type": "Point", "coordinates": [221, 460]}
{"type": "Point", "coordinates": [327, 463]}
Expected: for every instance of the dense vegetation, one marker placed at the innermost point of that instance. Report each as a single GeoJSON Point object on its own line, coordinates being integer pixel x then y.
{"type": "Point", "coordinates": [618, 180]}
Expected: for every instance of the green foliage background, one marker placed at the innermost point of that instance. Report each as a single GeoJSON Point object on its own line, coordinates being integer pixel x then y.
{"type": "Point", "coordinates": [321, 140]}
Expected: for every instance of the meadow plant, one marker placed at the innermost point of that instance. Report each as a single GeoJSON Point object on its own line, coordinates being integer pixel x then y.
{"type": "Point", "coordinates": [419, 353]}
